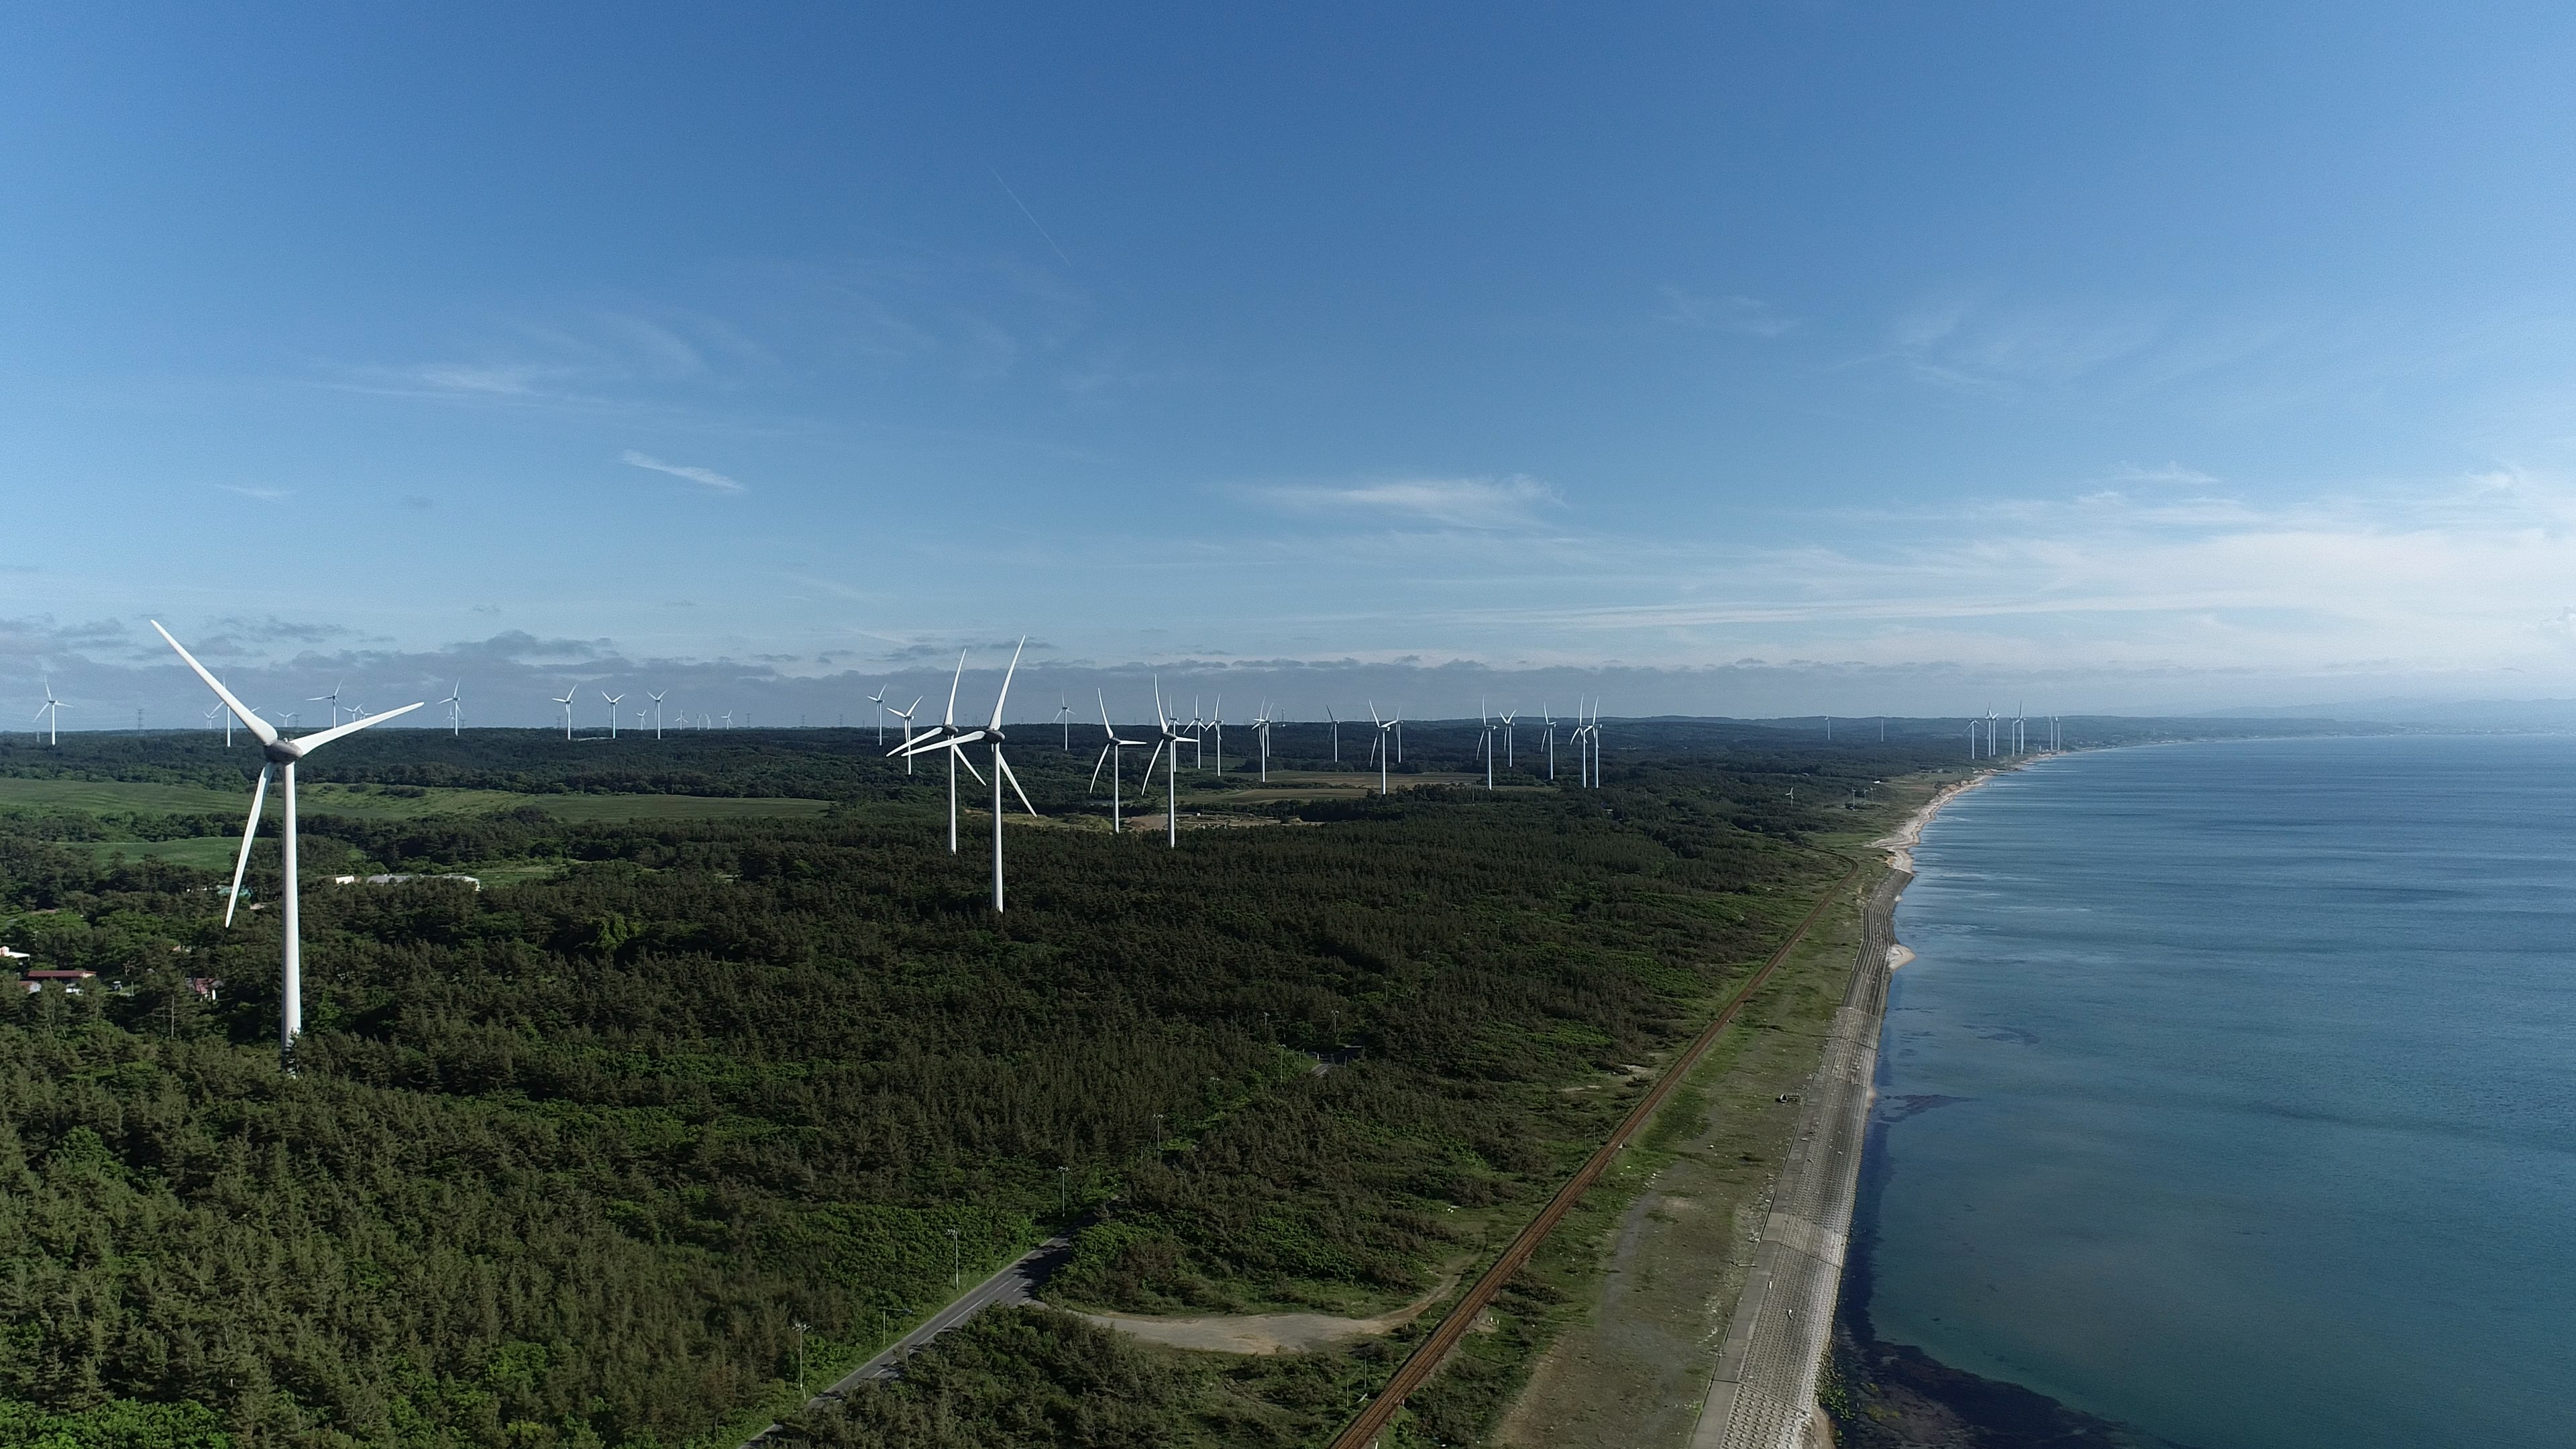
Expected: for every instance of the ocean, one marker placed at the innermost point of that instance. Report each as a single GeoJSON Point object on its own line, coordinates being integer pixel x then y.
{"type": "Point", "coordinates": [2232, 1092]}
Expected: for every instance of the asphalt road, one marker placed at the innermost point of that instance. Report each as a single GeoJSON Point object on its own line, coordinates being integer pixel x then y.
{"type": "Point", "coordinates": [1017, 1282]}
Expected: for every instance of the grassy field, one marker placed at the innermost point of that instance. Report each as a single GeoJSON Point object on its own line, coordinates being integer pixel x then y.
{"type": "Point", "coordinates": [105, 797]}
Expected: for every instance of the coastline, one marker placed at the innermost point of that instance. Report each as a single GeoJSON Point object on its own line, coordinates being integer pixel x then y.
{"type": "Point", "coordinates": [1881, 1395]}
{"type": "Point", "coordinates": [1765, 1391]}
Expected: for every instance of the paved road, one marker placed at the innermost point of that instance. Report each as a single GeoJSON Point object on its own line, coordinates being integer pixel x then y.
{"type": "Point", "coordinates": [1765, 1387]}
{"type": "Point", "coordinates": [1017, 1282]}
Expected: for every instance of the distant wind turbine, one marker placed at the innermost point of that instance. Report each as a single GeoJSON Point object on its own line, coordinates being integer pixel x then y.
{"type": "Point", "coordinates": [1337, 733]}
{"type": "Point", "coordinates": [904, 715]}
{"type": "Point", "coordinates": [1167, 737]}
{"type": "Point", "coordinates": [51, 712]}
{"type": "Point", "coordinates": [1485, 742]}
{"type": "Point", "coordinates": [455, 703]}
{"type": "Point", "coordinates": [614, 700]}
{"type": "Point", "coordinates": [1064, 717]}
{"type": "Point", "coordinates": [1386, 728]}
{"type": "Point", "coordinates": [1551, 738]}
{"type": "Point", "coordinates": [333, 696]}
{"type": "Point", "coordinates": [956, 741]}
{"type": "Point", "coordinates": [656, 697]}
{"type": "Point", "coordinates": [1112, 756]}
{"type": "Point", "coordinates": [1261, 736]}
{"type": "Point", "coordinates": [566, 702]}
{"type": "Point", "coordinates": [878, 699]}
{"type": "Point", "coordinates": [282, 753]}
{"type": "Point", "coordinates": [1511, 757]}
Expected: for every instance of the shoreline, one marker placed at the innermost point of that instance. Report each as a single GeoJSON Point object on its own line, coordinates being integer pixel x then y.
{"type": "Point", "coordinates": [1914, 1400]}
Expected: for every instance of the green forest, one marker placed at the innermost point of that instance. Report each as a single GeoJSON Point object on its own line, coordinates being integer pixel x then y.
{"type": "Point", "coordinates": [567, 1158]}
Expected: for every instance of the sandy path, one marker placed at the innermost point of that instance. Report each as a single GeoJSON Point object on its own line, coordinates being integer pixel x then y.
{"type": "Point", "coordinates": [1268, 1332]}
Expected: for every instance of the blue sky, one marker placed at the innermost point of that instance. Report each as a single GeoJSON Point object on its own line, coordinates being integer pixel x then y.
{"type": "Point", "coordinates": [1746, 359]}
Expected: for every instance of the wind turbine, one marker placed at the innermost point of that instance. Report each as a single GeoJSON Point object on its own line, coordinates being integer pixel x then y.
{"type": "Point", "coordinates": [1110, 755]}
{"type": "Point", "coordinates": [51, 711]}
{"type": "Point", "coordinates": [333, 696]}
{"type": "Point", "coordinates": [1337, 733]}
{"type": "Point", "coordinates": [566, 702]}
{"type": "Point", "coordinates": [1261, 734]}
{"type": "Point", "coordinates": [946, 732]}
{"type": "Point", "coordinates": [1198, 737]}
{"type": "Point", "coordinates": [904, 715]}
{"type": "Point", "coordinates": [210, 717]}
{"type": "Point", "coordinates": [1218, 720]}
{"type": "Point", "coordinates": [1485, 742]}
{"type": "Point", "coordinates": [1385, 727]}
{"type": "Point", "coordinates": [1064, 717]}
{"type": "Point", "coordinates": [455, 707]}
{"type": "Point", "coordinates": [728, 719]}
{"type": "Point", "coordinates": [656, 697]}
{"type": "Point", "coordinates": [1551, 738]}
{"type": "Point", "coordinates": [1167, 737]}
{"type": "Point", "coordinates": [878, 699]}
{"type": "Point", "coordinates": [1511, 757]}
{"type": "Point", "coordinates": [955, 741]}
{"type": "Point", "coordinates": [614, 700]}
{"type": "Point", "coordinates": [282, 753]}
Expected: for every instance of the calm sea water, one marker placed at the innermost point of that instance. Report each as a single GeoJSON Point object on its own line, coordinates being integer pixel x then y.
{"type": "Point", "coordinates": [2233, 1092]}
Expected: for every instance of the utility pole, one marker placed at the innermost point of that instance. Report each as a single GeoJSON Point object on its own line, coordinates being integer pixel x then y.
{"type": "Point", "coordinates": [799, 1326]}
{"type": "Point", "coordinates": [956, 1261]}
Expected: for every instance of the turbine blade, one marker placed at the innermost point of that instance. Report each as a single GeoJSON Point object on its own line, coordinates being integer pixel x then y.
{"type": "Point", "coordinates": [952, 688]}
{"type": "Point", "coordinates": [1104, 712]}
{"type": "Point", "coordinates": [1102, 765]}
{"type": "Point", "coordinates": [1006, 682]}
{"type": "Point", "coordinates": [1149, 764]}
{"type": "Point", "coordinates": [310, 743]}
{"type": "Point", "coordinates": [968, 761]}
{"type": "Point", "coordinates": [259, 728]}
{"type": "Point", "coordinates": [258, 797]}
{"type": "Point", "coordinates": [1002, 763]}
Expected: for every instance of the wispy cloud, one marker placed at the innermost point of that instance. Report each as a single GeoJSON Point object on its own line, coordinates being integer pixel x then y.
{"type": "Point", "coordinates": [2173, 474]}
{"type": "Point", "coordinates": [1749, 315]}
{"type": "Point", "coordinates": [264, 495]}
{"type": "Point", "coordinates": [1514, 501]}
{"type": "Point", "coordinates": [707, 478]}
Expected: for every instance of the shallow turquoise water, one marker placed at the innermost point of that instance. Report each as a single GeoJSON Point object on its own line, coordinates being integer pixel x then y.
{"type": "Point", "coordinates": [2233, 1092]}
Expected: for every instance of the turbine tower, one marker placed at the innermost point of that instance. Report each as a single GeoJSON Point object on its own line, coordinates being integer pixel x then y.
{"type": "Point", "coordinates": [566, 702]}
{"type": "Point", "coordinates": [614, 700]}
{"type": "Point", "coordinates": [656, 697]}
{"type": "Point", "coordinates": [1112, 756]}
{"type": "Point", "coordinates": [1337, 733]}
{"type": "Point", "coordinates": [1551, 738]}
{"type": "Point", "coordinates": [281, 753]}
{"type": "Point", "coordinates": [1064, 717]}
{"type": "Point", "coordinates": [455, 703]}
{"type": "Point", "coordinates": [1511, 757]}
{"type": "Point", "coordinates": [51, 712]}
{"type": "Point", "coordinates": [878, 699]}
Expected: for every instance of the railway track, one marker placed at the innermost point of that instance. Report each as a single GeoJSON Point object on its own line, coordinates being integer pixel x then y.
{"type": "Point", "coordinates": [1428, 1355]}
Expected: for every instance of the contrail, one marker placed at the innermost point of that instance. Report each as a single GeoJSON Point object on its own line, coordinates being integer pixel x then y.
{"type": "Point", "coordinates": [1032, 216]}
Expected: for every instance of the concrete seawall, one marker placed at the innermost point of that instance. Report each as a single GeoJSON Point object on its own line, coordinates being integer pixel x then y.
{"type": "Point", "coordinates": [1764, 1392]}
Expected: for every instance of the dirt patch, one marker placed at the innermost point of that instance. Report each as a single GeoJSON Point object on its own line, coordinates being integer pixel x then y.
{"type": "Point", "coordinates": [1258, 1333]}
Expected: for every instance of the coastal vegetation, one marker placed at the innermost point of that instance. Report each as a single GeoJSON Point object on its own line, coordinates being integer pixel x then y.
{"type": "Point", "coordinates": [569, 1157]}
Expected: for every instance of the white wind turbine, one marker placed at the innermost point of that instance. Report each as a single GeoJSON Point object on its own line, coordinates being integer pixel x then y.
{"type": "Point", "coordinates": [955, 741]}
{"type": "Point", "coordinates": [1111, 755]}
{"type": "Point", "coordinates": [878, 699]}
{"type": "Point", "coordinates": [1551, 738]}
{"type": "Point", "coordinates": [566, 702]}
{"type": "Point", "coordinates": [1485, 742]}
{"type": "Point", "coordinates": [1386, 729]}
{"type": "Point", "coordinates": [282, 753]}
{"type": "Point", "coordinates": [728, 719]}
{"type": "Point", "coordinates": [942, 733]}
{"type": "Point", "coordinates": [656, 697]}
{"type": "Point", "coordinates": [1261, 735]}
{"type": "Point", "coordinates": [210, 717]}
{"type": "Point", "coordinates": [1167, 736]}
{"type": "Point", "coordinates": [1511, 757]}
{"type": "Point", "coordinates": [51, 712]}
{"type": "Point", "coordinates": [614, 700]}
{"type": "Point", "coordinates": [333, 696]}
{"type": "Point", "coordinates": [1064, 717]}
{"type": "Point", "coordinates": [904, 715]}
{"type": "Point", "coordinates": [1217, 721]}
{"type": "Point", "coordinates": [1337, 733]}
{"type": "Point", "coordinates": [455, 703]}
{"type": "Point", "coordinates": [1198, 737]}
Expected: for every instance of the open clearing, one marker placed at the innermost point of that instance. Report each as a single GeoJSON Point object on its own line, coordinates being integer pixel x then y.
{"type": "Point", "coordinates": [1257, 1333]}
